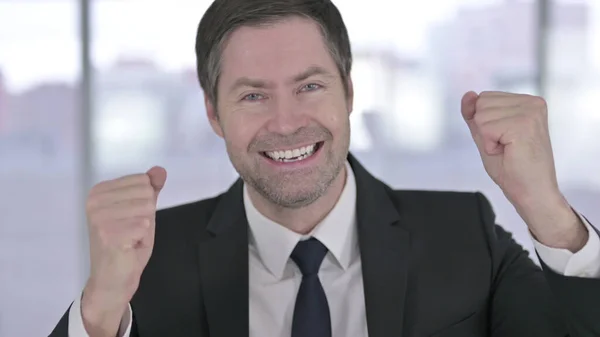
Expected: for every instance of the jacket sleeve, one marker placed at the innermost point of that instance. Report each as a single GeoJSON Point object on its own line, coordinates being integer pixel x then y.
{"type": "Point", "coordinates": [62, 328]}
{"type": "Point", "coordinates": [580, 299]}
{"type": "Point", "coordinates": [71, 325]}
{"type": "Point", "coordinates": [530, 301]}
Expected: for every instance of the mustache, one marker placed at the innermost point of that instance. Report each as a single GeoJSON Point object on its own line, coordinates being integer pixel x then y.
{"type": "Point", "coordinates": [275, 141]}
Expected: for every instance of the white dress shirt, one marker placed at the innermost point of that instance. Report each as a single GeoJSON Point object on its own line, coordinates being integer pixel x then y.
{"type": "Point", "coordinates": [274, 279]}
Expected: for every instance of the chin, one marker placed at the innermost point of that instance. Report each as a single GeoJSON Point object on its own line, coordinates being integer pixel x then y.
{"type": "Point", "coordinates": [291, 193]}
{"type": "Point", "coordinates": [297, 199]}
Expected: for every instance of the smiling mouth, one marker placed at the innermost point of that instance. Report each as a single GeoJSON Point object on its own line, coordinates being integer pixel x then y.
{"type": "Point", "coordinates": [293, 155]}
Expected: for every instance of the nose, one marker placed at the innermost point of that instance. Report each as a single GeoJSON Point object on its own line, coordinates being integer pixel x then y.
{"type": "Point", "coordinates": [286, 116]}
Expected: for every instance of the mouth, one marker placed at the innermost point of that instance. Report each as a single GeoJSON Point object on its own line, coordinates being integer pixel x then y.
{"type": "Point", "coordinates": [293, 155]}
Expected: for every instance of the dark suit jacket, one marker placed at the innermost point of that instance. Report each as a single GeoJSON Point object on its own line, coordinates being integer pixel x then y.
{"type": "Point", "coordinates": [434, 264]}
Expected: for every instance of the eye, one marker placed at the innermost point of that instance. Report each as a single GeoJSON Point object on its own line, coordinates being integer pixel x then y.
{"type": "Point", "coordinates": [253, 97]}
{"type": "Point", "coordinates": [311, 87]}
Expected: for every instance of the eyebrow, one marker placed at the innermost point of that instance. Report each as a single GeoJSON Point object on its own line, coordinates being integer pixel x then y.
{"type": "Point", "coordinates": [261, 84]}
{"type": "Point", "coordinates": [311, 71]}
{"type": "Point", "coordinates": [248, 82]}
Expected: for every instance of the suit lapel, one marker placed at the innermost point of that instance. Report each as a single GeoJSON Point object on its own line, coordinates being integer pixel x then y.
{"type": "Point", "coordinates": [384, 248]}
{"type": "Point", "coordinates": [223, 263]}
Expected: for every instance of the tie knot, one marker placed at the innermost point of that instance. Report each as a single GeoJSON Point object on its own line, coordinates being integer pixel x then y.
{"type": "Point", "coordinates": [308, 256]}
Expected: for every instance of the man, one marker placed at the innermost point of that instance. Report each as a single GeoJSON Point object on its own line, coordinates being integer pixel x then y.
{"type": "Point", "coordinates": [308, 243]}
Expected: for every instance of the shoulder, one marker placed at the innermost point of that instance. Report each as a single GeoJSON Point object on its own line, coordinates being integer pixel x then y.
{"type": "Point", "coordinates": [177, 233]}
{"type": "Point", "coordinates": [445, 202]}
{"type": "Point", "coordinates": [185, 220]}
{"type": "Point", "coordinates": [445, 216]}
{"type": "Point", "coordinates": [198, 210]}
{"type": "Point", "coordinates": [171, 276]}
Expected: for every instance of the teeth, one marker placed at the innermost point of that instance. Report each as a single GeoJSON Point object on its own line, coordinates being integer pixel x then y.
{"type": "Point", "coordinates": [292, 155]}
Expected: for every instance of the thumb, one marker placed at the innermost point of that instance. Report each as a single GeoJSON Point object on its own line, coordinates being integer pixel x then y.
{"type": "Point", "coordinates": [158, 177]}
{"type": "Point", "coordinates": [467, 107]}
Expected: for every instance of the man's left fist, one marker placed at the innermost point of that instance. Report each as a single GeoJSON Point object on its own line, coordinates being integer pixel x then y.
{"type": "Point", "coordinates": [511, 133]}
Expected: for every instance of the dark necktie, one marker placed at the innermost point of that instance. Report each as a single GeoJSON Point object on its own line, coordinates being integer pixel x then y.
{"type": "Point", "coordinates": [311, 312]}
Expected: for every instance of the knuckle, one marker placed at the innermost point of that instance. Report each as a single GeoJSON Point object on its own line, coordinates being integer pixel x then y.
{"type": "Point", "coordinates": [528, 121]}
{"type": "Point", "coordinates": [96, 189]}
{"type": "Point", "coordinates": [143, 207]}
{"type": "Point", "coordinates": [133, 179]}
{"type": "Point", "coordinates": [538, 102]}
{"type": "Point", "coordinates": [91, 204]}
{"type": "Point", "coordinates": [106, 185]}
{"type": "Point", "coordinates": [149, 207]}
{"type": "Point", "coordinates": [487, 129]}
{"type": "Point", "coordinates": [100, 185]}
{"type": "Point", "coordinates": [143, 179]}
{"type": "Point", "coordinates": [92, 198]}
{"type": "Point", "coordinates": [480, 104]}
{"type": "Point", "coordinates": [138, 192]}
{"type": "Point", "coordinates": [479, 119]}
{"type": "Point", "coordinates": [147, 191]}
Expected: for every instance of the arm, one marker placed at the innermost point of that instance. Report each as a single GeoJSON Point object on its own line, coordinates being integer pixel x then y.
{"type": "Point", "coordinates": [527, 301]}
{"type": "Point", "coordinates": [577, 289]}
{"type": "Point", "coordinates": [121, 216]}
{"type": "Point", "coordinates": [583, 263]}
{"type": "Point", "coordinates": [71, 324]}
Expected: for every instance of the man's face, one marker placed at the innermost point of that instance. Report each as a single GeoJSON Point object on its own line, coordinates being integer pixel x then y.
{"type": "Point", "coordinates": [283, 111]}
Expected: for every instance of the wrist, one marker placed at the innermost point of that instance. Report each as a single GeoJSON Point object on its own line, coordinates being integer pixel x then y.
{"type": "Point", "coordinates": [556, 224]}
{"type": "Point", "coordinates": [102, 313]}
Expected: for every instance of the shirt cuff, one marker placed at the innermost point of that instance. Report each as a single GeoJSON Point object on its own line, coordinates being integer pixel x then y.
{"type": "Point", "coordinates": [585, 263]}
{"type": "Point", "coordinates": [77, 329]}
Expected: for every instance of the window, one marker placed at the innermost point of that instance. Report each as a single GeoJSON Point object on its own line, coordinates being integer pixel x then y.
{"type": "Point", "coordinates": [40, 218]}
{"type": "Point", "coordinates": [149, 107]}
{"type": "Point", "coordinates": [574, 97]}
{"type": "Point", "coordinates": [413, 62]}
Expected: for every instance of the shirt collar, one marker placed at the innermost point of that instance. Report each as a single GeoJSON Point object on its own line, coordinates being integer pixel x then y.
{"type": "Point", "coordinates": [337, 231]}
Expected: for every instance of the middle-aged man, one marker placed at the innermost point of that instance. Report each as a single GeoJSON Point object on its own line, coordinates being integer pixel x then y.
{"type": "Point", "coordinates": [307, 243]}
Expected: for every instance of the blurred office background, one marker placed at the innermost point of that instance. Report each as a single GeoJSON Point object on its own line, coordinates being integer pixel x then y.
{"type": "Point", "coordinates": [94, 89]}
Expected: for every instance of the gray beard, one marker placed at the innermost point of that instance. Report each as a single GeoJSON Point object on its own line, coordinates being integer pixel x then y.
{"type": "Point", "coordinates": [277, 196]}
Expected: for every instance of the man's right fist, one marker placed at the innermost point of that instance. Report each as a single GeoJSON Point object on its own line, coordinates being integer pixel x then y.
{"type": "Point", "coordinates": [121, 218]}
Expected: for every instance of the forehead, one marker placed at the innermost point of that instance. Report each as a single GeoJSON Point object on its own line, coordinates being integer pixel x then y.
{"type": "Point", "coordinates": [274, 51]}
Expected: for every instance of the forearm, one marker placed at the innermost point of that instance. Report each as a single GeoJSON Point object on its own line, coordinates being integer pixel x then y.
{"type": "Point", "coordinates": [102, 317]}
{"type": "Point", "coordinates": [555, 224]}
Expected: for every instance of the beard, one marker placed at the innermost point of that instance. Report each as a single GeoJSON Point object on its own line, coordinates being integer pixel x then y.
{"type": "Point", "coordinates": [301, 187]}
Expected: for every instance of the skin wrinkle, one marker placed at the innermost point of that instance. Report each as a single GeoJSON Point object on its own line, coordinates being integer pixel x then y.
{"type": "Point", "coordinates": [280, 88]}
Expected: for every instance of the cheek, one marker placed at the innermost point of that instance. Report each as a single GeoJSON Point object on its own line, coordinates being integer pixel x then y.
{"type": "Point", "coordinates": [240, 130]}
{"type": "Point", "coordinates": [331, 111]}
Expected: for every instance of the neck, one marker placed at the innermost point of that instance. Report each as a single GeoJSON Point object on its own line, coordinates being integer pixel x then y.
{"type": "Point", "coordinates": [301, 220]}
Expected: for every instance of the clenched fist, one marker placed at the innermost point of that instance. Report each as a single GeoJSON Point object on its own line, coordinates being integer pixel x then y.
{"type": "Point", "coordinates": [512, 135]}
{"type": "Point", "coordinates": [121, 219]}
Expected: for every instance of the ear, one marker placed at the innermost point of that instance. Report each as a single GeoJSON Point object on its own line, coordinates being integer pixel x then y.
{"type": "Point", "coordinates": [213, 117]}
{"type": "Point", "coordinates": [350, 96]}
